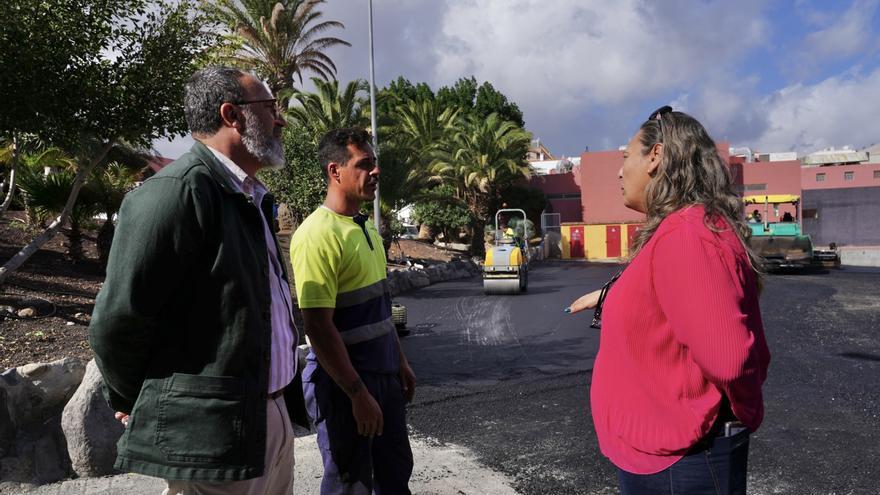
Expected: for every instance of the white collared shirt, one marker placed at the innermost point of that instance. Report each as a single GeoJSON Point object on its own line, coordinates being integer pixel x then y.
{"type": "Point", "coordinates": [282, 367]}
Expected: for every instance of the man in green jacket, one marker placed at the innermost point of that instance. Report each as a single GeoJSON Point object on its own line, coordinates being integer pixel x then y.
{"type": "Point", "coordinates": [193, 329]}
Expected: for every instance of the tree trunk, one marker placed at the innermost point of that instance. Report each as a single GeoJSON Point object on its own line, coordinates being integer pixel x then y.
{"type": "Point", "coordinates": [74, 242]}
{"type": "Point", "coordinates": [105, 240]}
{"type": "Point", "coordinates": [426, 233]}
{"type": "Point", "coordinates": [385, 232]}
{"type": "Point", "coordinates": [11, 191]}
{"type": "Point", "coordinates": [477, 226]}
{"type": "Point", "coordinates": [26, 252]}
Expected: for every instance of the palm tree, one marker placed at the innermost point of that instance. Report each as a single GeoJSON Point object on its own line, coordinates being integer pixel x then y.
{"type": "Point", "coordinates": [329, 109]}
{"type": "Point", "coordinates": [483, 157]}
{"type": "Point", "coordinates": [277, 39]}
{"type": "Point", "coordinates": [45, 181]}
{"type": "Point", "coordinates": [8, 155]}
{"type": "Point", "coordinates": [106, 188]}
{"type": "Point", "coordinates": [409, 143]}
{"type": "Point", "coordinates": [425, 124]}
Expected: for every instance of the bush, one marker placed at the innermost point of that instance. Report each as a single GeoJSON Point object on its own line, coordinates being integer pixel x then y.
{"type": "Point", "coordinates": [443, 211]}
{"type": "Point", "coordinates": [300, 184]}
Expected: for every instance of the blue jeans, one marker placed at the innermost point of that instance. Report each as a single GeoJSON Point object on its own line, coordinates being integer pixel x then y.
{"type": "Point", "coordinates": [716, 466]}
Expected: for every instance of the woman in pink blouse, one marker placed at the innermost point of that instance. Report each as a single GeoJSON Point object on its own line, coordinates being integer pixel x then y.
{"type": "Point", "coordinates": [676, 386]}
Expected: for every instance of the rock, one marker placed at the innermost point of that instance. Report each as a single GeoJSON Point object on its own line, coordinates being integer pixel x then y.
{"type": "Point", "coordinates": [38, 456]}
{"type": "Point", "coordinates": [27, 312]}
{"type": "Point", "coordinates": [70, 324]}
{"type": "Point", "coordinates": [51, 462]}
{"type": "Point", "coordinates": [17, 469]}
{"type": "Point", "coordinates": [419, 279]}
{"type": "Point", "coordinates": [402, 280]}
{"type": "Point", "coordinates": [285, 217]}
{"type": "Point", "coordinates": [392, 285]}
{"type": "Point", "coordinates": [434, 274]}
{"type": "Point", "coordinates": [37, 392]}
{"type": "Point", "coordinates": [31, 400]}
{"type": "Point", "coordinates": [7, 429]}
{"type": "Point", "coordinates": [90, 429]}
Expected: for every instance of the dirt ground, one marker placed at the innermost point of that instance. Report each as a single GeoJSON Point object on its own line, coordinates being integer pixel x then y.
{"type": "Point", "coordinates": [420, 252]}
{"type": "Point", "coordinates": [61, 293]}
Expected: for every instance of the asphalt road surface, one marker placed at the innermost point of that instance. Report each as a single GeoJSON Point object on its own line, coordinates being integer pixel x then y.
{"type": "Point", "coordinates": [508, 377]}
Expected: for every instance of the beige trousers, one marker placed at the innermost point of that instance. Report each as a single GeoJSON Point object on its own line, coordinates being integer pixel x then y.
{"type": "Point", "coordinates": [278, 474]}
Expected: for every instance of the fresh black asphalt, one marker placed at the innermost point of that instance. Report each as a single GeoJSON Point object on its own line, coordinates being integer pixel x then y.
{"type": "Point", "coordinates": [508, 377]}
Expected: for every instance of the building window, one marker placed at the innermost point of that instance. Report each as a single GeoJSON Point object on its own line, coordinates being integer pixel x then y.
{"type": "Point", "coordinates": [848, 175]}
{"type": "Point", "coordinates": [877, 174]}
{"type": "Point", "coordinates": [811, 214]}
{"type": "Point", "coordinates": [756, 187]}
{"type": "Point", "coordinates": [820, 177]}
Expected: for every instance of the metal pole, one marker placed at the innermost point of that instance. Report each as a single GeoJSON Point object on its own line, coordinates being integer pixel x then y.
{"type": "Point", "coordinates": [376, 210]}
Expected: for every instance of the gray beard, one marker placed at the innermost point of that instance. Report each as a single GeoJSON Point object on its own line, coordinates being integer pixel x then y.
{"type": "Point", "coordinates": [263, 145]}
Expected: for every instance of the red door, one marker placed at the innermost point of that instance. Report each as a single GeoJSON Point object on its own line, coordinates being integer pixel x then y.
{"type": "Point", "coordinates": [576, 243]}
{"type": "Point", "coordinates": [612, 241]}
{"type": "Point", "coordinates": [631, 231]}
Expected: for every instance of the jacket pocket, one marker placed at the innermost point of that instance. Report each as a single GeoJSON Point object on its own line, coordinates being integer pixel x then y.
{"type": "Point", "coordinates": [200, 419]}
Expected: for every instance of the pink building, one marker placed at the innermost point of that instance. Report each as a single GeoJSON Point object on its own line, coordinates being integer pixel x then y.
{"type": "Point", "coordinates": [601, 195]}
{"type": "Point", "coordinates": [563, 193]}
{"type": "Point", "coordinates": [840, 203]}
{"type": "Point", "coordinates": [841, 176]}
{"type": "Point", "coordinates": [765, 178]}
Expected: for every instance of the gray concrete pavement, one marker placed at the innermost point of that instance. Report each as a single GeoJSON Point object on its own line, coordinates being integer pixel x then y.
{"type": "Point", "coordinates": [439, 470]}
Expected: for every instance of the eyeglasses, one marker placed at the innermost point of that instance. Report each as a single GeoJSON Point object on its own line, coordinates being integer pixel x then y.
{"type": "Point", "coordinates": [276, 108]}
{"type": "Point", "coordinates": [597, 314]}
{"type": "Point", "coordinates": [656, 115]}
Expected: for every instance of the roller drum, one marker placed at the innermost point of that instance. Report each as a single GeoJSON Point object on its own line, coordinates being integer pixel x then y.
{"type": "Point", "coordinates": [501, 286]}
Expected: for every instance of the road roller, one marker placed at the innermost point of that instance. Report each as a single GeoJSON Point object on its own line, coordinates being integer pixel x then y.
{"type": "Point", "coordinates": [506, 269]}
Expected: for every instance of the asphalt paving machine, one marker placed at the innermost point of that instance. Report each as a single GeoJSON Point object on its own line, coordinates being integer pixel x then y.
{"type": "Point", "coordinates": [781, 243]}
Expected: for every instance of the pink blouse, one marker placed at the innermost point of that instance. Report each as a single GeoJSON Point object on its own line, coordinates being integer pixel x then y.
{"type": "Point", "coordinates": [680, 327]}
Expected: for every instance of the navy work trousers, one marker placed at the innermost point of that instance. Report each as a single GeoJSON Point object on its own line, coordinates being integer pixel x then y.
{"type": "Point", "coordinates": [716, 467]}
{"type": "Point", "coordinates": [355, 464]}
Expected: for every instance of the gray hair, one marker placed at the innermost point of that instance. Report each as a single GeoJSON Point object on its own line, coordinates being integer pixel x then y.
{"type": "Point", "coordinates": [206, 90]}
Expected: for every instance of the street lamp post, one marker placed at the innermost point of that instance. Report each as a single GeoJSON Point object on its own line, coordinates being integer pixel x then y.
{"type": "Point", "coordinates": [376, 210]}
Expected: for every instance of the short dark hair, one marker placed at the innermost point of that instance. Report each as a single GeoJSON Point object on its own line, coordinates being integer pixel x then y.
{"type": "Point", "coordinates": [206, 90]}
{"type": "Point", "coordinates": [334, 145]}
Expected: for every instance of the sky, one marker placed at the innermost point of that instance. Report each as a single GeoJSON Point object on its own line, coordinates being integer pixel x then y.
{"type": "Point", "coordinates": [771, 75]}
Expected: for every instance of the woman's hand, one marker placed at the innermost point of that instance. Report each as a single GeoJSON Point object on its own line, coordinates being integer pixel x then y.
{"type": "Point", "coordinates": [587, 301]}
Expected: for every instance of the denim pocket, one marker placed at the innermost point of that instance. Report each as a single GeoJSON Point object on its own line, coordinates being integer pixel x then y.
{"type": "Point", "coordinates": [200, 419]}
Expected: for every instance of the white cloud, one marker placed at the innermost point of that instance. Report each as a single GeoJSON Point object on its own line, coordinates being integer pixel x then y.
{"type": "Point", "coordinates": [837, 111]}
{"type": "Point", "coordinates": [594, 64]}
{"type": "Point", "coordinates": [847, 35]}
{"type": "Point", "coordinates": [593, 52]}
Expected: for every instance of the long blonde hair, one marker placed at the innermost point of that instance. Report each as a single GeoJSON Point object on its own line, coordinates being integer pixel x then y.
{"type": "Point", "coordinates": [690, 173]}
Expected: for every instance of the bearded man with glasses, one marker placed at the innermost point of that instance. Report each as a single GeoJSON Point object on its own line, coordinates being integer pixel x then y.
{"type": "Point", "coordinates": [193, 329]}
